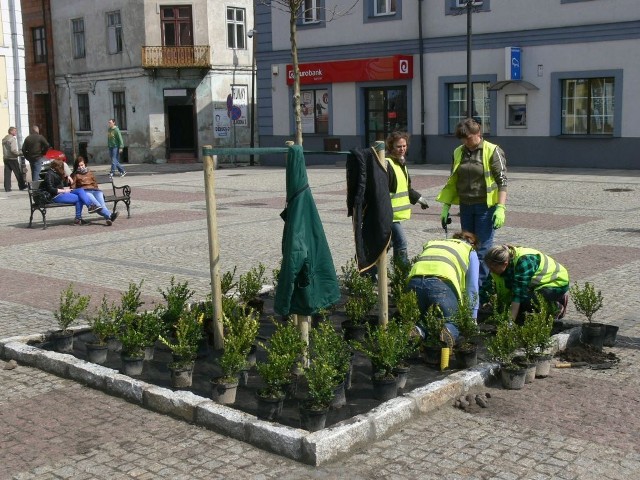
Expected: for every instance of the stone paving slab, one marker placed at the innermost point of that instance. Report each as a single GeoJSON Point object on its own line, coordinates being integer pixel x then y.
{"type": "Point", "coordinates": [597, 235]}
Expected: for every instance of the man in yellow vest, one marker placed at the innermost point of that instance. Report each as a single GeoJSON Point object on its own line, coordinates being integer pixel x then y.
{"type": "Point", "coordinates": [478, 183]}
{"type": "Point", "coordinates": [402, 195]}
{"type": "Point", "coordinates": [518, 273]}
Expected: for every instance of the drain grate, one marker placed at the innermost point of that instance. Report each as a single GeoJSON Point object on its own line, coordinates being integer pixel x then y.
{"type": "Point", "coordinates": [618, 190]}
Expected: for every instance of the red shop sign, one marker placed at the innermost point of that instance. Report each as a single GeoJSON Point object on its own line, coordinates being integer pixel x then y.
{"type": "Point", "coordinates": [364, 70]}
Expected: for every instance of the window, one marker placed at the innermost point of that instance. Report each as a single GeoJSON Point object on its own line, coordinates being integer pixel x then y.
{"type": "Point", "coordinates": [39, 45]}
{"type": "Point", "coordinates": [311, 12]}
{"type": "Point", "coordinates": [588, 106]}
{"type": "Point", "coordinates": [77, 28]}
{"type": "Point", "coordinates": [235, 28]}
{"type": "Point", "coordinates": [314, 105]}
{"type": "Point", "coordinates": [120, 110]}
{"type": "Point", "coordinates": [384, 7]}
{"type": "Point", "coordinates": [177, 27]}
{"type": "Point", "coordinates": [84, 115]}
{"type": "Point", "coordinates": [385, 111]}
{"type": "Point", "coordinates": [457, 103]}
{"type": "Point", "coordinates": [114, 32]}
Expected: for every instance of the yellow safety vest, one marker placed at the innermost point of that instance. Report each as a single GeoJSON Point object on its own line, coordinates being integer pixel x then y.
{"type": "Point", "coordinates": [549, 274]}
{"type": "Point", "coordinates": [449, 193]}
{"type": "Point", "coordinates": [400, 200]}
{"type": "Point", "coordinates": [446, 259]}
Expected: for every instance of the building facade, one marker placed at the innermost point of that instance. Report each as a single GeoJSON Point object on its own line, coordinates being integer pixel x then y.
{"type": "Point", "coordinates": [39, 68]}
{"type": "Point", "coordinates": [551, 80]}
{"type": "Point", "coordinates": [13, 98]}
{"type": "Point", "coordinates": [175, 76]}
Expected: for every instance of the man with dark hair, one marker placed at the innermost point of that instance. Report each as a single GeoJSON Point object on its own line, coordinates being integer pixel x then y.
{"type": "Point", "coordinates": [10, 154]}
{"type": "Point", "coordinates": [33, 148]}
{"type": "Point", "coordinates": [115, 144]}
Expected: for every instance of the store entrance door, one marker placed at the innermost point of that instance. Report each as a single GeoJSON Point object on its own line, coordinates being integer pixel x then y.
{"type": "Point", "coordinates": [180, 124]}
{"type": "Point", "coordinates": [385, 112]}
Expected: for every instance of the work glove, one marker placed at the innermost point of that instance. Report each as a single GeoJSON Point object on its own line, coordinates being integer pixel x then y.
{"type": "Point", "coordinates": [445, 219]}
{"type": "Point", "coordinates": [498, 216]}
{"type": "Point", "coordinates": [423, 203]}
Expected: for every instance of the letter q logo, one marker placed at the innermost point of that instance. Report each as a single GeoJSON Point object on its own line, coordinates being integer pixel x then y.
{"type": "Point", "coordinates": [404, 66]}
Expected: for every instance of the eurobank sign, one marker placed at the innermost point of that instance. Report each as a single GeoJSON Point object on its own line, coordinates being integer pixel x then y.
{"type": "Point", "coordinates": [397, 67]}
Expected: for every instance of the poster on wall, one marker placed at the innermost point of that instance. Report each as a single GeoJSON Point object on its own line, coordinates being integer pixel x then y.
{"type": "Point", "coordinates": [221, 121]}
{"type": "Point", "coordinates": [239, 100]}
{"type": "Point", "coordinates": [307, 109]}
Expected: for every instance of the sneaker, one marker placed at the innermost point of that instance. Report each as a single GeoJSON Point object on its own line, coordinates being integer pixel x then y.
{"type": "Point", "coordinates": [94, 208]}
{"type": "Point", "coordinates": [80, 221]}
{"type": "Point", "coordinates": [110, 174]}
{"type": "Point", "coordinates": [123, 174]}
{"type": "Point", "coordinates": [113, 217]}
{"type": "Point", "coordinates": [109, 222]}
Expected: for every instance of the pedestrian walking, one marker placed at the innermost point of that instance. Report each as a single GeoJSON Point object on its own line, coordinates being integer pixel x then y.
{"type": "Point", "coordinates": [11, 156]}
{"type": "Point", "coordinates": [402, 195]}
{"type": "Point", "coordinates": [116, 145]}
{"type": "Point", "coordinates": [518, 274]}
{"type": "Point", "coordinates": [478, 183]}
{"type": "Point", "coordinates": [34, 148]}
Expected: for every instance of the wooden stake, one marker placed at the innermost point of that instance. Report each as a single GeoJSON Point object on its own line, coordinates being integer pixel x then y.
{"type": "Point", "coordinates": [383, 296]}
{"type": "Point", "coordinates": [214, 250]}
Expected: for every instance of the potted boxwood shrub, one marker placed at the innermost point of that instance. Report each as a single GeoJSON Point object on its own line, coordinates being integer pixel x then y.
{"type": "Point", "coordinates": [398, 276]}
{"type": "Point", "coordinates": [152, 327]}
{"type": "Point", "coordinates": [466, 348]}
{"type": "Point", "coordinates": [587, 302]}
{"type": "Point", "coordinates": [321, 380]}
{"type": "Point", "coordinates": [176, 296]}
{"type": "Point", "coordinates": [432, 323]}
{"type": "Point", "coordinates": [249, 286]}
{"type": "Point", "coordinates": [71, 305]}
{"type": "Point", "coordinates": [362, 298]}
{"type": "Point", "coordinates": [502, 348]}
{"type": "Point", "coordinates": [328, 345]}
{"type": "Point", "coordinates": [184, 346]}
{"type": "Point", "coordinates": [535, 336]}
{"type": "Point", "coordinates": [104, 325]}
{"type": "Point", "coordinates": [407, 317]}
{"type": "Point", "coordinates": [283, 350]}
{"type": "Point", "coordinates": [133, 343]}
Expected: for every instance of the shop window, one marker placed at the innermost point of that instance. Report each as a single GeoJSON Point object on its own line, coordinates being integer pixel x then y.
{"type": "Point", "coordinates": [588, 106]}
{"type": "Point", "coordinates": [314, 106]}
{"type": "Point", "coordinates": [385, 112]}
{"type": "Point", "coordinates": [516, 111]}
{"type": "Point", "coordinates": [457, 105]}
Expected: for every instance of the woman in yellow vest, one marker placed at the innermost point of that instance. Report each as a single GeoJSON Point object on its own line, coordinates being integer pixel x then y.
{"type": "Point", "coordinates": [446, 273]}
{"type": "Point", "coordinates": [518, 273]}
{"type": "Point", "coordinates": [402, 195]}
{"type": "Point", "coordinates": [478, 183]}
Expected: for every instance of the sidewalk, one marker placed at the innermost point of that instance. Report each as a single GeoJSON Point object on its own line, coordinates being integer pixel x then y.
{"type": "Point", "coordinates": [583, 423]}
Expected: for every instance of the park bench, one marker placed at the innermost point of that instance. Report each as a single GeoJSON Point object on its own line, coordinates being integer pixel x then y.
{"type": "Point", "coordinates": [112, 194]}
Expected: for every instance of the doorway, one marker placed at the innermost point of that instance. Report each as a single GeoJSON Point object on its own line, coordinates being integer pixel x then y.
{"type": "Point", "coordinates": [180, 124]}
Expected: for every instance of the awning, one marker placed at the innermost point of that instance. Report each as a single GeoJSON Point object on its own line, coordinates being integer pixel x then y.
{"type": "Point", "coordinates": [503, 83]}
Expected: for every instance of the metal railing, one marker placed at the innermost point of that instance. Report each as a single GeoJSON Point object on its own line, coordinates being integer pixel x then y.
{"type": "Point", "coordinates": [176, 57]}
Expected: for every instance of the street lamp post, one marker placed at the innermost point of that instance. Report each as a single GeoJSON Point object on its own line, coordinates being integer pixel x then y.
{"type": "Point", "coordinates": [67, 77]}
{"type": "Point", "coordinates": [468, 6]}
{"type": "Point", "coordinates": [252, 35]}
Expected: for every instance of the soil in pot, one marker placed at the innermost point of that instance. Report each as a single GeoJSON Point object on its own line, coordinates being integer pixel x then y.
{"type": "Point", "coordinates": [312, 420]}
{"type": "Point", "coordinates": [384, 388]}
{"type": "Point", "coordinates": [432, 354]}
{"type": "Point", "coordinates": [97, 352]}
{"type": "Point", "coordinates": [513, 378]}
{"type": "Point", "coordinates": [224, 392]}
{"type": "Point", "coordinates": [466, 356]}
{"type": "Point", "coordinates": [269, 408]}
{"type": "Point", "coordinates": [182, 376]}
{"type": "Point", "coordinates": [132, 366]}
{"type": "Point", "coordinates": [62, 341]}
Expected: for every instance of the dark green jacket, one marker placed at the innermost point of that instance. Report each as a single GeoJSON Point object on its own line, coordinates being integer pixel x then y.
{"type": "Point", "coordinates": [307, 280]}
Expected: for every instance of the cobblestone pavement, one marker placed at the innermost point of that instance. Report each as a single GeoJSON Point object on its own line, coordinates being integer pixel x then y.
{"type": "Point", "coordinates": [575, 424]}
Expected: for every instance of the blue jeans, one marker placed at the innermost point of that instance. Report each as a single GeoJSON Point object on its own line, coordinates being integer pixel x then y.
{"type": "Point", "coordinates": [114, 153]}
{"type": "Point", "coordinates": [435, 291]}
{"type": "Point", "coordinates": [478, 219]}
{"type": "Point", "coordinates": [97, 198]}
{"type": "Point", "coordinates": [399, 241]}
{"type": "Point", "coordinates": [36, 168]}
{"type": "Point", "coordinates": [78, 197]}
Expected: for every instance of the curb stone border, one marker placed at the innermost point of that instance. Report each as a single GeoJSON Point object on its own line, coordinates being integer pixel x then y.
{"type": "Point", "coordinates": [313, 448]}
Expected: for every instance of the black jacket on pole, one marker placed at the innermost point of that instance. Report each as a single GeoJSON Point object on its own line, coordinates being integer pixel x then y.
{"type": "Point", "coordinates": [369, 205]}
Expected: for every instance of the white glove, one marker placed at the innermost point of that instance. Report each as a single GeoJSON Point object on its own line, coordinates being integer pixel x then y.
{"type": "Point", "coordinates": [423, 202]}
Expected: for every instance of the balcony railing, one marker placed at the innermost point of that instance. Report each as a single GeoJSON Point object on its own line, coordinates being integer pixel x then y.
{"type": "Point", "coordinates": [195, 56]}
